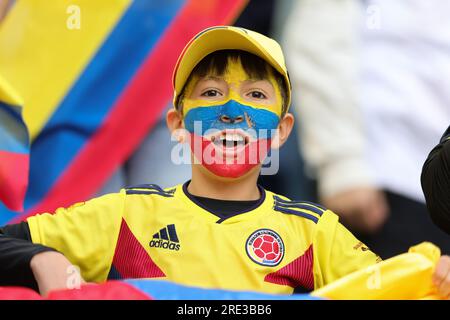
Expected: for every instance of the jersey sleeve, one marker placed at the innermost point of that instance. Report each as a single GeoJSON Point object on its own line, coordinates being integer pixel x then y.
{"type": "Point", "coordinates": [86, 233]}
{"type": "Point", "coordinates": [337, 252]}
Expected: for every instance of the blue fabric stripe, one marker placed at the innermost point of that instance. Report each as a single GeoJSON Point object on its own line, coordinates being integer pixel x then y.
{"type": "Point", "coordinates": [150, 187]}
{"type": "Point", "coordinates": [145, 186]}
{"type": "Point", "coordinates": [6, 215]}
{"type": "Point", "coordinates": [164, 194]}
{"type": "Point", "coordinates": [297, 213]}
{"type": "Point", "coordinates": [165, 290]}
{"type": "Point", "coordinates": [313, 204]}
{"type": "Point", "coordinates": [302, 205]}
{"type": "Point", "coordinates": [295, 201]}
{"type": "Point", "coordinates": [95, 92]}
{"type": "Point", "coordinates": [13, 131]}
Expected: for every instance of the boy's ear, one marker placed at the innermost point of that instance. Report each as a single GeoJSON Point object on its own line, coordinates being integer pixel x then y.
{"type": "Point", "coordinates": [284, 130]}
{"type": "Point", "coordinates": [174, 121]}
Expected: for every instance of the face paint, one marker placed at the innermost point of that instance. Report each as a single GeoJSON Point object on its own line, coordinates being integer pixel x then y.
{"type": "Point", "coordinates": [231, 135]}
{"type": "Point", "coordinates": [234, 76]}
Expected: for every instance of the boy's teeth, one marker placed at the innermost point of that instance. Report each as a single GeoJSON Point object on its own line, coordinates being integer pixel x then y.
{"type": "Point", "coordinates": [230, 139]}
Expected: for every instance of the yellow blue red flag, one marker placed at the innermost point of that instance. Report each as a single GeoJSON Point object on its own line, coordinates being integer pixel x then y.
{"type": "Point", "coordinates": [14, 149]}
{"type": "Point", "coordinates": [95, 76]}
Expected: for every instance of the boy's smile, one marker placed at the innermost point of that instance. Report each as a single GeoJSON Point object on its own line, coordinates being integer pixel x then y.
{"type": "Point", "coordinates": [231, 119]}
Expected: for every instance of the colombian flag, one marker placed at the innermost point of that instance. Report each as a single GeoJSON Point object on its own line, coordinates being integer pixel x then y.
{"type": "Point", "coordinates": [95, 77]}
{"type": "Point", "coordinates": [407, 276]}
{"type": "Point", "coordinates": [14, 149]}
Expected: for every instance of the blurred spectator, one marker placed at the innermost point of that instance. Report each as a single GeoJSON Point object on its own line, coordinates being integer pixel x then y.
{"type": "Point", "coordinates": [436, 182]}
{"type": "Point", "coordinates": [372, 81]}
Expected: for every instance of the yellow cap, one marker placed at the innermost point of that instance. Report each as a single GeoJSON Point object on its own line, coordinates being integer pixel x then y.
{"type": "Point", "coordinates": [225, 38]}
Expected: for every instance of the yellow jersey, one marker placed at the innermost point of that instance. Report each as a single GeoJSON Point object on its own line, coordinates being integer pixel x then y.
{"type": "Point", "coordinates": [277, 246]}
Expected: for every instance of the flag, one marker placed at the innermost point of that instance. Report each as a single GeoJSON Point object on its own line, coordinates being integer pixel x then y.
{"type": "Point", "coordinates": [95, 77]}
{"type": "Point", "coordinates": [407, 276]}
{"type": "Point", "coordinates": [14, 149]}
{"type": "Point", "coordinates": [144, 289]}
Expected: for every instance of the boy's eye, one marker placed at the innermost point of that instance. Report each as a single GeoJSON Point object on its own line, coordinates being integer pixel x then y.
{"type": "Point", "coordinates": [211, 93]}
{"type": "Point", "coordinates": [257, 95]}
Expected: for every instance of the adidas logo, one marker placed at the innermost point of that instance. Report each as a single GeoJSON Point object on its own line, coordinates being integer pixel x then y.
{"type": "Point", "coordinates": [166, 238]}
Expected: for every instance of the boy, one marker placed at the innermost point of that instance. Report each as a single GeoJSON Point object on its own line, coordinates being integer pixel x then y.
{"type": "Point", "coordinates": [219, 230]}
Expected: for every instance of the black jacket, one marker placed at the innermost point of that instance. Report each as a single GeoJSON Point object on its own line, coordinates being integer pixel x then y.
{"type": "Point", "coordinates": [16, 251]}
{"type": "Point", "coordinates": [435, 181]}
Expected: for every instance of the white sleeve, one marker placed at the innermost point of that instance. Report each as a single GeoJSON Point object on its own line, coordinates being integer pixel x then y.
{"type": "Point", "coordinates": [320, 42]}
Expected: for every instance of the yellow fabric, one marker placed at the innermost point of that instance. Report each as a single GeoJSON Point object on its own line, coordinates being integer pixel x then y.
{"type": "Point", "coordinates": [211, 254]}
{"type": "Point", "coordinates": [339, 253]}
{"type": "Point", "coordinates": [407, 276]}
{"type": "Point", "coordinates": [85, 233]}
{"type": "Point", "coordinates": [8, 95]}
{"type": "Point", "coordinates": [42, 56]}
{"type": "Point", "coordinates": [228, 37]}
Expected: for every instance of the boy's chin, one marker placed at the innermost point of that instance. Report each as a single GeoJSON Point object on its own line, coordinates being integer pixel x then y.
{"type": "Point", "coordinates": [230, 171]}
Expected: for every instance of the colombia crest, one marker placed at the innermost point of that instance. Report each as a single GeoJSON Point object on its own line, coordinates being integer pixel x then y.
{"type": "Point", "coordinates": [265, 247]}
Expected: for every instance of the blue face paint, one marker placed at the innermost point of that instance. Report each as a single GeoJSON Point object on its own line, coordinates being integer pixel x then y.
{"type": "Point", "coordinates": [238, 116]}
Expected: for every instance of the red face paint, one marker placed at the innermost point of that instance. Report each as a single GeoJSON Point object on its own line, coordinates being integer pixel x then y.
{"type": "Point", "coordinates": [226, 161]}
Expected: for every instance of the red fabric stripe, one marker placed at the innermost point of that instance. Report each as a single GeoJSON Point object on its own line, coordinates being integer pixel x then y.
{"type": "Point", "coordinates": [131, 260]}
{"type": "Point", "coordinates": [111, 290]}
{"type": "Point", "coordinates": [13, 179]}
{"type": "Point", "coordinates": [298, 273]}
{"type": "Point", "coordinates": [137, 110]}
{"type": "Point", "coordinates": [18, 293]}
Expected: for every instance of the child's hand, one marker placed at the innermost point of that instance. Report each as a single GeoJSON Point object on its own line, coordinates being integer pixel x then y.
{"type": "Point", "coordinates": [441, 277]}
{"type": "Point", "coordinates": [363, 209]}
{"type": "Point", "coordinates": [53, 271]}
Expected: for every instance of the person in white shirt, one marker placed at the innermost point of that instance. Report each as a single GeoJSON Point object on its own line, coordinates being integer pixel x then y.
{"type": "Point", "coordinates": [374, 96]}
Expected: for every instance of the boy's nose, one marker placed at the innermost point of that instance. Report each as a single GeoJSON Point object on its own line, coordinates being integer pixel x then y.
{"type": "Point", "coordinates": [232, 113]}
{"type": "Point", "coordinates": [231, 119]}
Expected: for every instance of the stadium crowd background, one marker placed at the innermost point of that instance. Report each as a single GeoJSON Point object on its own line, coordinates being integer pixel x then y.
{"type": "Point", "coordinates": [370, 81]}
